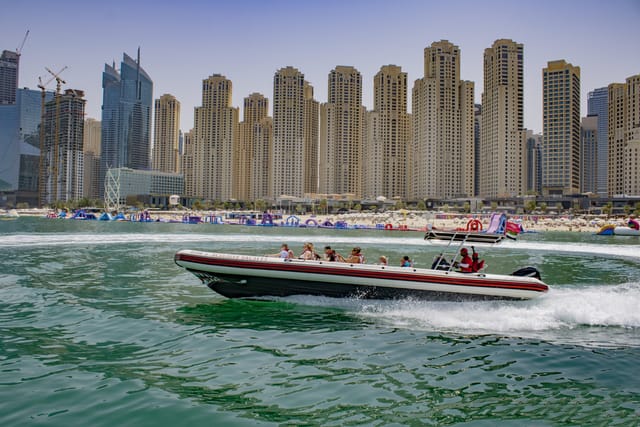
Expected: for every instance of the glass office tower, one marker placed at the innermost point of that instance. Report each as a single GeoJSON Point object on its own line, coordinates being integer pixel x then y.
{"type": "Point", "coordinates": [127, 97]}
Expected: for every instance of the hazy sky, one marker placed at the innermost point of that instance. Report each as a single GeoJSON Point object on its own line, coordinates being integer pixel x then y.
{"type": "Point", "coordinates": [184, 42]}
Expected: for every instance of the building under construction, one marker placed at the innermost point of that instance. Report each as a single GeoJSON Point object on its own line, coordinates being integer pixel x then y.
{"type": "Point", "coordinates": [62, 156]}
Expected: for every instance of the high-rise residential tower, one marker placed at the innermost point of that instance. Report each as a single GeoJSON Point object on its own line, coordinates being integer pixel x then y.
{"type": "Point", "coordinates": [624, 137]}
{"type": "Point", "coordinates": [91, 148]}
{"type": "Point", "coordinates": [388, 134]}
{"type": "Point", "coordinates": [342, 133]}
{"type": "Point", "coordinates": [561, 129]}
{"type": "Point", "coordinates": [289, 155]}
{"type": "Point", "coordinates": [253, 157]}
{"type": "Point", "coordinates": [63, 147]}
{"type": "Point", "coordinates": [166, 135]}
{"type": "Point", "coordinates": [9, 66]}
{"type": "Point", "coordinates": [187, 163]}
{"type": "Point", "coordinates": [310, 135]}
{"type": "Point", "coordinates": [589, 154]}
{"type": "Point", "coordinates": [534, 162]}
{"type": "Point", "coordinates": [214, 139]}
{"type": "Point", "coordinates": [598, 105]}
{"type": "Point", "coordinates": [442, 154]}
{"type": "Point", "coordinates": [503, 139]}
{"type": "Point", "coordinates": [126, 117]}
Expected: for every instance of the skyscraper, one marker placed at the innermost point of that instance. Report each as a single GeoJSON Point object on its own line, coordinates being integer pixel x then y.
{"type": "Point", "coordinates": [342, 133]}
{"type": "Point", "coordinates": [126, 117]}
{"type": "Point", "coordinates": [9, 65]}
{"type": "Point", "coordinates": [63, 147]}
{"type": "Point", "coordinates": [624, 137]}
{"type": "Point", "coordinates": [288, 161]}
{"type": "Point", "coordinates": [253, 157]}
{"type": "Point", "coordinates": [442, 155]}
{"type": "Point", "coordinates": [166, 135]}
{"type": "Point", "coordinates": [91, 148]}
{"type": "Point", "coordinates": [214, 139]}
{"type": "Point", "coordinates": [534, 162]}
{"type": "Point", "coordinates": [187, 163]}
{"type": "Point", "coordinates": [561, 129]}
{"type": "Point", "coordinates": [598, 105]}
{"type": "Point", "coordinates": [589, 154]}
{"type": "Point", "coordinates": [503, 139]}
{"type": "Point", "coordinates": [310, 136]}
{"type": "Point", "coordinates": [387, 136]}
{"type": "Point", "coordinates": [20, 142]}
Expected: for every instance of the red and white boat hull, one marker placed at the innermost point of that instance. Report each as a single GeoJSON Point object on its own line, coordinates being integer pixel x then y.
{"type": "Point", "coordinates": [243, 276]}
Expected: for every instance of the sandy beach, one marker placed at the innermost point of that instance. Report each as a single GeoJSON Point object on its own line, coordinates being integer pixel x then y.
{"type": "Point", "coordinates": [419, 220]}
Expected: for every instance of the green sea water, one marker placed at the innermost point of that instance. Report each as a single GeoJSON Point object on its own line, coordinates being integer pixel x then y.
{"type": "Point", "coordinates": [99, 327]}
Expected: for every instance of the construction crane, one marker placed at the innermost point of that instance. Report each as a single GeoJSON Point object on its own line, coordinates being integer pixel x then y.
{"type": "Point", "coordinates": [24, 40]}
{"type": "Point", "coordinates": [42, 187]}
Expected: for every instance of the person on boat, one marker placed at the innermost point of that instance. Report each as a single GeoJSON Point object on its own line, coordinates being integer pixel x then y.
{"type": "Point", "coordinates": [308, 254]}
{"type": "Point", "coordinates": [476, 263]}
{"type": "Point", "coordinates": [465, 263]}
{"type": "Point", "coordinates": [383, 260]}
{"type": "Point", "coordinates": [356, 257]}
{"type": "Point", "coordinates": [332, 255]}
{"type": "Point", "coordinates": [406, 262]}
{"type": "Point", "coordinates": [440, 263]}
{"type": "Point", "coordinates": [285, 252]}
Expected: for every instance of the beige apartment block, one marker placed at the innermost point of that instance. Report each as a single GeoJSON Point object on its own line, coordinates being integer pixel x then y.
{"type": "Point", "coordinates": [214, 140]}
{"type": "Point", "coordinates": [387, 137]}
{"type": "Point", "coordinates": [311, 137]}
{"type": "Point", "coordinates": [166, 135]}
{"type": "Point", "coordinates": [288, 161]}
{"type": "Point", "coordinates": [442, 151]}
{"type": "Point", "coordinates": [561, 129]}
{"type": "Point", "coordinates": [253, 157]}
{"type": "Point", "coordinates": [91, 150]}
{"type": "Point", "coordinates": [341, 134]}
{"type": "Point", "coordinates": [186, 163]}
{"type": "Point", "coordinates": [624, 137]}
{"type": "Point", "coordinates": [502, 171]}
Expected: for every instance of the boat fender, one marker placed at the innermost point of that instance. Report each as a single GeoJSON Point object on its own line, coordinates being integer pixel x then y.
{"type": "Point", "coordinates": [388, 226]}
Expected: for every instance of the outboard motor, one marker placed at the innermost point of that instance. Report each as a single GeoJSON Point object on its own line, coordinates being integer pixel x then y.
{"type": "Point", "coordinates": [528, 272]}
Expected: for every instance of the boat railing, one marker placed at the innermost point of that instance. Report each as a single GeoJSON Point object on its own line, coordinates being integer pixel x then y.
{"type": "Point", "coordinates": [444, 253]}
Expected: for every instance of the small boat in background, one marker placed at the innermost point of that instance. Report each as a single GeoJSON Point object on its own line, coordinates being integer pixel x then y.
{"type": "Point", "coordinates": [499, 229]}
{"type": "Point", "coordinates": [9, 215]}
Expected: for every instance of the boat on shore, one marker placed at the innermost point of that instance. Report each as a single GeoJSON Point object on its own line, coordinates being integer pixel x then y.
{"type": "Point", "coordinates": [245, 276]}
{"type": "Point", "coordinates": [498, 230]}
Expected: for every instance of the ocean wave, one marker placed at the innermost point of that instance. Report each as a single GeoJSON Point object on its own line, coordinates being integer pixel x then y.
{"type": "Point", "coordinates": [58, 239]}
{"type": "Point", "coordinates": [594, 316]}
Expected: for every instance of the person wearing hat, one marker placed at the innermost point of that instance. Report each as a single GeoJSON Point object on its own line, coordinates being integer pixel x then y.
{"type": "Point", "coordinates": [466, 262]}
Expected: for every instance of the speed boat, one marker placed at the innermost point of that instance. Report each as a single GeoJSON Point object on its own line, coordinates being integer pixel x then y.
{"type": "Point", "coordinates": [246, 276]}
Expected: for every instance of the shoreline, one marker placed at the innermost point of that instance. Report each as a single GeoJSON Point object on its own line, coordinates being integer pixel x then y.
{"type": "Point", "coordinates": [407, 219]}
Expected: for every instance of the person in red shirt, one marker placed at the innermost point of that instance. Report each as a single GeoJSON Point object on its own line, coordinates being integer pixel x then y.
{"type": "Point", "coordinates": [466, 262]}
{"type": "Point", "coordinates": [476, 263]}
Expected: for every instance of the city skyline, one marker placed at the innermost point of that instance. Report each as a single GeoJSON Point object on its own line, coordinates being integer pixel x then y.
{"type": "Point", "coordinates": [249, 41]}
